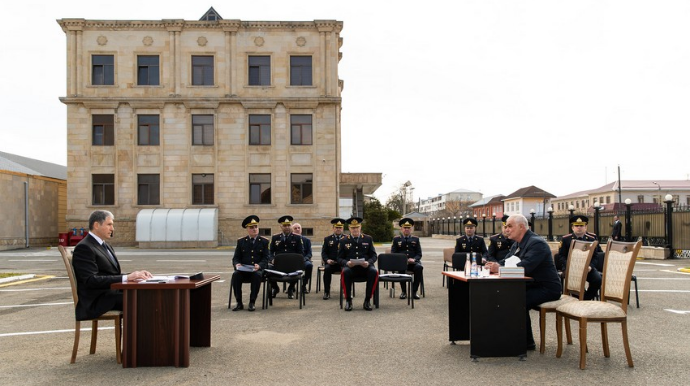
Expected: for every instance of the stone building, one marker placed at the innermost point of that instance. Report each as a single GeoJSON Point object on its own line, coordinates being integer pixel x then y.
{"type": "Point", "coordinates": [240, 117]}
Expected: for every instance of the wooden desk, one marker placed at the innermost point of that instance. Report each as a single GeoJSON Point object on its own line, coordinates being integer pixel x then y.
{"type": "Point", "coordinates": [162, 320]}
{"type": "Point", "coordinates": [489, 312]}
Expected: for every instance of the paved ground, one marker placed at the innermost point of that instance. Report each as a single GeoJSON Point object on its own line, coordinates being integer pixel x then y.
{"type": "Point", "coordinates": [321, 344]}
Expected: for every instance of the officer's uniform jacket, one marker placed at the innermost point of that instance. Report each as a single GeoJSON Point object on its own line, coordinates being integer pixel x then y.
{"type": "Point", "coordinates": [499, 246]}
{"type": "Point", "coordinates": [356, 248]}
{"type": "Point", "coordinates": [563, 248]}
{"type": "Point", "coordinates": [463, 244]}
{"type": "Point", "coordinates": [410, 246]}
{"type": "Point", "coordinates": [329, 250]}
{"type": "Point", "coordinates": [250, 253]}
{"type": "Point", "coordinates": [291, 244]}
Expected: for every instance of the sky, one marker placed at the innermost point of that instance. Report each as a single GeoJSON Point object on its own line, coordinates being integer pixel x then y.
{"type": "Point", "coordinates": [486, 95]}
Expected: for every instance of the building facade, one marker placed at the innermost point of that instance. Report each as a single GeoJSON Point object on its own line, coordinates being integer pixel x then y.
{"type": "Point", "coordinates": [460, 199]}
{"type": "Point", "coordinates": [239, 116]}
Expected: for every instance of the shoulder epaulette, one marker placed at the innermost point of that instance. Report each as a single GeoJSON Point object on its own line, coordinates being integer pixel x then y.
{"type": "Point", "coordinates": [265, 238]}
{"type": "Point", "coordinates": [591, 234]}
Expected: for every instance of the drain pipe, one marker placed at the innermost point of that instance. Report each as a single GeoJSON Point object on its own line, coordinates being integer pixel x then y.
{"type": "Point", "coordinates": [26, 214]}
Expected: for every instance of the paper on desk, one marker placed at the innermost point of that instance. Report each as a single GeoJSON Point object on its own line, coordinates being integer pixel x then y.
{"type": "Point", "coordinates": [512, 261]}
{"type": "Point", "coordinates": [158, 279]}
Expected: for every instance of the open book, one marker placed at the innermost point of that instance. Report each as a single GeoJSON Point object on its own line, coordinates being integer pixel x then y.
{"type": "Point", "coordinates": [279, 273]}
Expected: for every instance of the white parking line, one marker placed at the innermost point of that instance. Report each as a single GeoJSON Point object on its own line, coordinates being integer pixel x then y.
{"type": "Point", "coordinates": [658, 264]}
{"type": "Point", "coordinates": [34, 289]}
{"type": "Point", "coordinates": [38, 304]}
{"type": "Point", "coordinates": [181, 261]}
{"type": "Point", "coordinates": [677, 311]}
{"type": "Point", "coordinates": [33, 260]}
{"type": "Point", "coordinates": [51, 332]}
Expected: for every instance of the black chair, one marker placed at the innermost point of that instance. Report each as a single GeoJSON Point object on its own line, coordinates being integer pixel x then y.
{"type": "Point", "coordinates": [637, 296]}
{"type": "Point", "coordinates": [421, 282]}
{"type": "Point", "coordinates": [287, 263]}
{"type": "Point", "coordinates": [245, 280]}
{"type": "Point", "coordinates": [391, 264]}
{"type": "Point", "coordinates": [319, 272]}
{"type": "Point", "coordinates": [459, 259]}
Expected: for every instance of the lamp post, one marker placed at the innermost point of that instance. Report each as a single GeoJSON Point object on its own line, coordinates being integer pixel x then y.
{"type": "Point", "coordinates": [669, 223]}
{"type": "Point", "coordinates": [531, 213]}
{"type": "Point", "coordinates": [493, 224]}
{"type": "Point", "coordinates": [455, 231]}
{"type": "Point", "coordinates": [484, 223]}
{"type": "Point", "coordinates": [550, 236]}
{"type": "Point", "coordinates": [571, 209]}
{"type": "Point", "coordinates": [596, 219]}
{"type": "Point", "coordinates": [628, 220]}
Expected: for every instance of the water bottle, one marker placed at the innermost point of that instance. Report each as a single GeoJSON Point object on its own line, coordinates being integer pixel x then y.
{"type": "Point", "coordinates": [473, 269]}
{"type": "Point", "coordinates": [81, 231]}
{"type": "Point", "coordinates": [74, 231]}
{"type": "Point", "coordinates": [467, 267]}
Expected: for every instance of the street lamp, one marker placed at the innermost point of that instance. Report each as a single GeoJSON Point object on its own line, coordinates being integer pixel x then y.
{"type": "Point", "coordinates": [628, 220]}
{"type": "Point", "coordinates": [571, 209]}
{"type": "Point", "coordinates": [484, 223]}
{"type": "Point", "coordinates": [596, 218]}
{"type": "Point", "coordinates": [531, 213]}
{"type": "Point", "coordinates": [669, 223]}
{"type": "Point", "coordinates": [455, 232]}
{"type": "Point", "coordinates": [493, 226]}
{"type": "Point", "coordinates": [550, 236]}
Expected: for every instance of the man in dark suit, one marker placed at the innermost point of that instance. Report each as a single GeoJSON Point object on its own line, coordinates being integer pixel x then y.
{"type": "Point", "coordinates": [356, 254]}
{"type": "Point", "coordinates": [306, 251]}
{"type": "Point", "coordinates": [329, 255]}
{"type": "Point", "coordinates": [96, 267]}
{"type": "Point", "coordinates": [499, 244]}
{"type": "Point", "coordinates": [535, 257]}
{"type": "Point", "coordinates": [578, 225]}
{"type": "Point", "coordinates": [410, 246]}
{"type": "Point", "coordinates": [470, 242]}
{"type": "Point", "coordinates": [250, 260]}
{"type": "Point", "coordinates": [284, 242]}
{"type": "Point", "coordinates": [616, 233]}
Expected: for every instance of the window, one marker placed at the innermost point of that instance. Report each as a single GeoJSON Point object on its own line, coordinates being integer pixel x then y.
{"type": "Point", "coordinates": [102, 70]}
{"type": "Point", "coordinates": [307, 231]}
{"type": "Point", "coordinates": [202, 189]}
{"type": "Point", "coordinates": [202, 70]}
{"type": "Point", "coordinates": [301, 189]}
{"type": "Point", "coordinates": [259, 70]}
{"type": "Point", "coordinates": [103, 130]}
{"type": "Point", "coordinates": [148, 189]}
{"type": "Point", "coordinates": [259, 188]}
{"type": "Point", "coordinates": [202, 130]}
{"type": "Point", "coordinates": [608, 199]}
{"type": "Point", "coordinates": [265, 232]}
{"type": "Point", "coordinates": [147, 70]}
{"type": "Point", "coordinates": [149, 130]}
{"type": "Point", "coordinates": [640, 199]}
{"type": "Point", "coordinates": [300, 71]}
{"type": "Point", "coordinates": [103, 186]}
{"type": "Point", "coordinates": [300, 130]}
{"type": "Point", "coordinates": [259, 129]}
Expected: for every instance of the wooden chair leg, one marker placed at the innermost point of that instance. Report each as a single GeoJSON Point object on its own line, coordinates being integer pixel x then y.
{"type": "Point", "coordinates": [94, 336]}
{"type": "Point", "coordinates": [118, 339]}
{"type": "Point", "coordinates": [559, 334]}
{"type": "Point", "coordinates": [542, 330]}
{"type": "Point", "coordinates": [568, 331]}
{"type": "Point", "coordinates": [605, 340]}
{"type": "Point", "coordinates": [77, 331]}
{"type": "Point", "coordinates": [626, 345]}
{"type": "Point", "coordinates": [583, 343]}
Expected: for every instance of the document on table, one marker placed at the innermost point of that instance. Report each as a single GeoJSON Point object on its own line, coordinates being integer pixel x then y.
{"type": "Point", "coordinates": [357, 261]}
{"type": "Point", "coordinates": [159, 279]}
{"type": "Point", "coordinates": [246, 268]}
{"type": "Point", "coordinates": [512, 261]}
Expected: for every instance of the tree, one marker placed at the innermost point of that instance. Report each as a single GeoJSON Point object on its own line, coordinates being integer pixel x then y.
{"type": "Point", "coordinates": [376, 222]}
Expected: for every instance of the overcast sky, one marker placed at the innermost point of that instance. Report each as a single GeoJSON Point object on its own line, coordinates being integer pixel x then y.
{"type": "Point", "coordinates": [489, 96]}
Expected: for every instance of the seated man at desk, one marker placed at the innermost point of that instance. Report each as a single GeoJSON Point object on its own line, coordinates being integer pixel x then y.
{"type": "Point", "coordinates": [250, 260]}
{"type": "Point", "coordinates": [410, 246]}
{"type": "Point", "coordinates": [356, 254]}
{"type": "Point", "coordinates": [535, 257]}
{"type": "Point", "coordinates": [499, 244]}
{"type": "Point", "coordinates": [96, 267]}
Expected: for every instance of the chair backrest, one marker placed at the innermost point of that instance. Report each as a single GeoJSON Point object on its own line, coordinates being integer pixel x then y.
{"type": "Point", "coordinates": [288, 262]}
{"type": "Point", "coordinates": [66, 253]}
{"type": "Point", "coordinates": [448, 254]}
{"type": "Point", "coordinates": [388, 250]}
{"type": "Point", "coordinates": [619, 263]}
{"type": "Point", "coordinates": [579, 256]}
{"type": "Point", "coordinates": [392, 262]}
{"type": "Point", "coordinates": [459, 260]}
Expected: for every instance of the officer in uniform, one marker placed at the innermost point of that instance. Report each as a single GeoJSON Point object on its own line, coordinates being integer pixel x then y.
{"type": "Point", "coordinates": [249, 260]}
{"type": "Point", "coordinates": [470, 242]}
{"type": "Point", "coordinates": [329, 255]}
{"type": "Point", "coordinates": [410, 246]}
{"type": "Point", "coordinates": [499, 244]}
{"type": "Point", "coordinates": [579, 227]}
{"type": "Point", "coordinates": [353, 247]}
{"type": "Point", "coordinates": [285, 242]}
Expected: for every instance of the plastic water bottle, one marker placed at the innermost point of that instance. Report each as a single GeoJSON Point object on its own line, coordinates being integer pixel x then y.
{"type": "Point", "coordinates": [473, 270]}
{"type": "Point", "coordinates": [81, 231]}
{"type": "Point", "coordinates": [74, 231]}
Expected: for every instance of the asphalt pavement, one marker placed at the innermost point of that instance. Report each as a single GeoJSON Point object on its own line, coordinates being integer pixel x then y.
{"type": "Point", "coordinates": [323, 345]}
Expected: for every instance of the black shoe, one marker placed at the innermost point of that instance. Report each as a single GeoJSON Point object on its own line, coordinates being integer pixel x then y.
{"type": "Point", "coordinates": [531, 347]}
{"type": "Point", "coordinates": [348, 305]}
{"type": "Point", "coordinates": [304, 290]}
{"type": "Point", "coordinates": [238, 307]}
{"type": "Point", "coordinates": [416, 297]}
{"type": "Point", "coordinates": [251, 306]}
{"type": "Point", "coordinates": [274, 292]}
{"type": "Point", "coordinates": [291, 294]}
{"type": "Point", "coordinates": [367, 305]}
{"type": "Point", "coordinates": [403, 295]}
{"type": "Point", "coordinates": [326, 296]}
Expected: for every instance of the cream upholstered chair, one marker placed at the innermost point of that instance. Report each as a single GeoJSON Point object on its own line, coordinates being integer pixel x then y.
{"type": "Point", "coordinates": [115, 316]}
{"type": "Point", "coordinates": [447, 262]}
{"type": "Point", "coordinates": [618, 267]}
{"type": "Point", "coordinates": [579, 256]}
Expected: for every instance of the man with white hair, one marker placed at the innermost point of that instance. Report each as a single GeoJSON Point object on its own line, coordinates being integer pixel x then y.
{"type": "Point", "coordinates": [535, 257]}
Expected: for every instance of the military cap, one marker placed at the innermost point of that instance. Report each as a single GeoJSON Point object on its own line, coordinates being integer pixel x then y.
{"type": "Point", "coordinates": [338, 222]}
{"type": "Point", "coordinates": [406, 222]}
{"type": "Point", "coordinates": [470, 222]}
{"type": "Point", "coordinates": [250, 220]}
{"type": "Point", "coordinates": [285, 220]}
{"type": "Point", "coordinates": [579, 220]}
{"type": "Point", "coordinates": [504, 219]}
{"type": "Point", "coordinates": [354, 222]}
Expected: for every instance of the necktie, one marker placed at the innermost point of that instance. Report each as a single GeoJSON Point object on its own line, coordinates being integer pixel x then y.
{"type": "Point", "coordinates": [109, 253]}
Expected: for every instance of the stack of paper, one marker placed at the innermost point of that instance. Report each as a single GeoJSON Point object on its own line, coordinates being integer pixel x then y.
{"type": "Point", "coordinates": [511, 272]}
